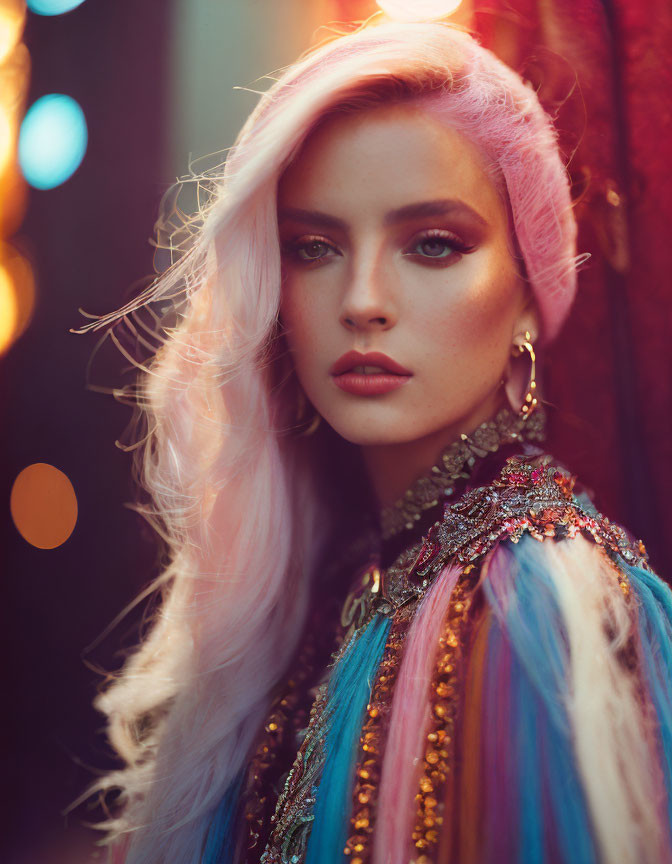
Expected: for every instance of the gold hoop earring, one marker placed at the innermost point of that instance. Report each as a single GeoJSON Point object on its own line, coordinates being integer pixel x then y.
{"type": "Point", "coordinates": [530, 401]}
{"type": "Point", "coordinates": [312, 426]}
{"type": "Point", "coordinates": [301, 410]}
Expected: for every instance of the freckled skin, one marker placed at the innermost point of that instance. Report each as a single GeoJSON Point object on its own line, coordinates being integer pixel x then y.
{"type": "Point", "coordinates": [447, 316]}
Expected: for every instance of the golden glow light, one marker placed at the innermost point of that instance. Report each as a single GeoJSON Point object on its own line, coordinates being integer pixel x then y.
{"type": "Point", "coordinates": [13, 201]}
{"type": "Point", "coordinates": [7, 138]}
{"type": "Point", "coordinates": [17, 287]}
{"type": "Point", "coordinates": [17, 295]}
{"type": "Point", "coordinates": [9, 311]}
{"type": "Point", "coordinates": [43, 505]}
{"type": "Point", "coordinates": [12, 18]}
{"type": "Point", "coordinates": [418, 10]}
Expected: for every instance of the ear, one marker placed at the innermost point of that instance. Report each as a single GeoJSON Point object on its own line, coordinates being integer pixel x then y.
{"type": "Point", "coordinates": [528, 319]}
{"type": "Point", "coordinates": [517, 374]}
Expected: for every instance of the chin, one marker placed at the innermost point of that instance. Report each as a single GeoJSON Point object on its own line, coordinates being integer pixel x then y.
{"type": "Point", "coordinates": [375, 432]}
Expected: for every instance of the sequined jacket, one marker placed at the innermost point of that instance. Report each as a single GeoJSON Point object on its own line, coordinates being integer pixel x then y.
{"type": "Point", "coordinates": [498, 690]}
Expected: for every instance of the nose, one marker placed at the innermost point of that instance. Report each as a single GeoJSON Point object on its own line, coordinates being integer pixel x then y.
{"type": "Point", "coordinates": [368, 302]}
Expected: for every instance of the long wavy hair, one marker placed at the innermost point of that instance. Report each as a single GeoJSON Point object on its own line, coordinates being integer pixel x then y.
{"type": "Point", "coordinates": [246, 509]}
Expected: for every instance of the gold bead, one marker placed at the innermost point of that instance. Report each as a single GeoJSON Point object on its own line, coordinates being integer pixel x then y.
{"type": "Point", "coordinates": [426, 785]}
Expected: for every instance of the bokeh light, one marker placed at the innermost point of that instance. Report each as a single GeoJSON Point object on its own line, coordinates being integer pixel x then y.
{"type": "Point", "coordinates": [53, 7]}
{"type": "Point", "coordinates": [12, 17]}
{"type": "Point", "coordinates": [17, 295]}
{"type": "Point", "coordinates": [418, 10]}
{"type": "Point", "coordinates": [13, 200]}
{"type": "Point", "coordinates": [6, 138]}
{"type": "Point", "coordinates": [9, 311]}
{"type": "Point", "coordinates": [14, 78]}
{"type": "Point", "coordinates": [43, 505]}
{"type": "Point", "coordinates": [52, 141]}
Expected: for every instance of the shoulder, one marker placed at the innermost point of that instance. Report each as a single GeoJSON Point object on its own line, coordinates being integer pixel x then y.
{"type": "Point", "coordinates": [533, 494]}
{"type": "Point", "coordinates": [550, 502]}
{"type": "Point", "coordinates": [537, 495]}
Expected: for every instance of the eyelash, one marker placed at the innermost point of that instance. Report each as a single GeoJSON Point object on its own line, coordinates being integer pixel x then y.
{"type": "Point", "coordinates": [450, 239]}
{"type": "Point", "coordinates": [293, 248]}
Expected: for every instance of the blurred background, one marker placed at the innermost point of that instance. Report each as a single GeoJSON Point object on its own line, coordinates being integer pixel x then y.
{"type": "Point", "coordinates": [103, 104]}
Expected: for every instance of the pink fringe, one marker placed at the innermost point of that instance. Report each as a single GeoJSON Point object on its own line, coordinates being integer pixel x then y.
{"type": "Point", "coordinates": [410, 716]}
{"type": "Point", "coordinates": [118, 850]}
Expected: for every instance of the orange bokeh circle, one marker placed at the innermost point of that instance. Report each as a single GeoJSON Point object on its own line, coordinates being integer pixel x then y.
{"type": "Point", "coordinates": [43, 505]}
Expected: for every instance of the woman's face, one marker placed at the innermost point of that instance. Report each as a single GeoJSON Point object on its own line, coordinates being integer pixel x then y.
{"type": "Point", "coordinates": [394, 240]}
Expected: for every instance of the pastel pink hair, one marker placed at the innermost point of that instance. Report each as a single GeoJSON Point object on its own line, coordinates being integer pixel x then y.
{"type": "Point", "coordinates": [244, 509]}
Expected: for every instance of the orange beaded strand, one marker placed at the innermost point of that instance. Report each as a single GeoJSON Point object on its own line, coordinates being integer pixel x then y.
{"type": "Point", "coordinates": [439, 751]}
{"type": "Point", "coordinates": [372, 739]}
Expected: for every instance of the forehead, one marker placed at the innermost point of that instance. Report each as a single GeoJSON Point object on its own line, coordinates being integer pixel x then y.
{"type": "Point", "coordinates": [385, 157]}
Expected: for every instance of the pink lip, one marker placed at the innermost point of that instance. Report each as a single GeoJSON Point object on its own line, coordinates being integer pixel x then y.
{"type": "Point", "coordinates": [372, 358]}
{"type": "Point", "coordinates": [368, 385]}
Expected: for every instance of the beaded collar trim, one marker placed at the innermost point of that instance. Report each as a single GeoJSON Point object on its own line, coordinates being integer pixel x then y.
{"type": "Point", "coordinates": [455, 462]}
{"type": "Point", "coordinates": [530, 495]}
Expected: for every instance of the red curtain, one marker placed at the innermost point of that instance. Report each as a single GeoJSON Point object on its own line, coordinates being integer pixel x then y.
{"type": "Point", "coordinates": [602, 68]}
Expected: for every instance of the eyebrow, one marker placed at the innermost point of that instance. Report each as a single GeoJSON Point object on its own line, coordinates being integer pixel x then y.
{"type": "Point", "coordinates": [439, 207]}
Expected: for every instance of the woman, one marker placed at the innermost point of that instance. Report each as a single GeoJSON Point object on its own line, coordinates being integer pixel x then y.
{"type": "Point", "coordinates": [392, 629]}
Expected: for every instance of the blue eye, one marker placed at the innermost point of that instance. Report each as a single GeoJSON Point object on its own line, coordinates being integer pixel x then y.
{"type": "Point", "coordinates": [435, 247]}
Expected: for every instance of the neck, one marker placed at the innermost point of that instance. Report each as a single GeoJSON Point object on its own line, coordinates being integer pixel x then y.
{"type": "Point", "coordinates": [392, 468]}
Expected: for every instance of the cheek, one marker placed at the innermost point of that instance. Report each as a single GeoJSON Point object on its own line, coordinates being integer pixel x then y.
{"type": "Point", "coordinates": [471, 328]}
{"type": "Point", "coordinates": [303, 322]}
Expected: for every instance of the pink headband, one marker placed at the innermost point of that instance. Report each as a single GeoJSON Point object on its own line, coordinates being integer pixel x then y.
{"type": "Point", "coordinates": [503, 117]}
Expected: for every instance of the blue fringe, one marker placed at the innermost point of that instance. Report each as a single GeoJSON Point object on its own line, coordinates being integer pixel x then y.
{"type": "Point", "coordinates": [348, 695]}
{"type": "Point", "coordinates": [532, 621]}
{"type": "Point", "coordinates": [655, 631]}
{"type": "Point", "coordinates": [530, 810]}
{"type": "Point", "coordinates": [499, 829]}
{"type": "Point", "coordinates": [220, 842]}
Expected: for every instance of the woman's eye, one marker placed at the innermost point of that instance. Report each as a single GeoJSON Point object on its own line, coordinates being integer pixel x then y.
{"type": "Point", "coordinates": [309, 250]}
{"type": "Point", "coordinates": [436, 246]}
{"type": "Point", "coordinates": [312, 251]}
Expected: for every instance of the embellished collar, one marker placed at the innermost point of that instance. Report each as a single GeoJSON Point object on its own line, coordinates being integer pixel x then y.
{"type": "Point", "coordinates": [529, 493]}
{"type": "Point", "coordinates": [445, 480]}
{"type": "Point", "coordinates": [391, 542]}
